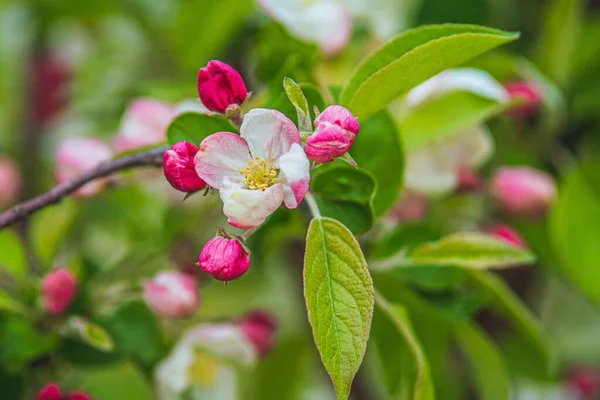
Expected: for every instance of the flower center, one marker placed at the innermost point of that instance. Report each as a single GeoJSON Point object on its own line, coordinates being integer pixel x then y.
{"type": "Point", "coordinates": [259, 174]}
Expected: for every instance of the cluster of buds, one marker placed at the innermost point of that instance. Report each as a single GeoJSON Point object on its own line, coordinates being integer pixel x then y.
{"type": "Point", "coordinates": [53, 392]}
{"type": "Point", "coordinates": [58, 290]}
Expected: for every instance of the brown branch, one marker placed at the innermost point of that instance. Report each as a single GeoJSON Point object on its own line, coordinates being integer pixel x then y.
{"type": "Point", "coordinates": [55, 195]}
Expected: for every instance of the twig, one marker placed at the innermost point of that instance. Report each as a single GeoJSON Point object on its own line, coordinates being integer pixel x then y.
{"type": "Point", "coordinates": [55, 195]}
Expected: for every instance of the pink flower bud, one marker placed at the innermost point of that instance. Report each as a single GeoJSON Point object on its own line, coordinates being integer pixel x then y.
{"type": "Point", "coordinates": [585, 381]}
{"type": "Point", "coordinates": [144, 124]}
{"type": "Point", "coordinates": [260, 328]}
{"type": "Point", "coordinates": [10, 181]}
{"type": "Point", "coordinates": [75, 156]}
{"type": "Point", "coordinates": [220, 86]}
{"type": "Point", "coordinates": [225, 259]}
{"type": "Point", "coordinates": [51, 78]}
{"type": "Point", "coordinates": [58, 289]}
{"type": "Point", "coordinates": [523, 191]}
{"type": "Point", "coordinates": [335, 134]}
{"type": "Point", "coordinates": [410, 207]}
{"type": "Point", "coordinates": [179, 168]}
{"type": "Point", "coordinates": [507, 234]}
{"type": "Point", "coordinates": [49, 392]}
{"type": "Point", "coordinates": [469, 180]}
{"type": "Point", "coordinates": [172, 294]}
{"type": "Point", "coordinates": [529, 96]}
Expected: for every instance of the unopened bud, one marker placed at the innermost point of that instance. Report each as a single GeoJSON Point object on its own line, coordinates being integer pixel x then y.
{"type": "Point", "coordinates": [172, 294]}
{"type": "Point", "coordinates": [225, 259]}
{"type": "Point", "coordinates": [52, 392]}
{"type": "Point", "coordinates": [523, 191]}
{"type": "Point", "coordinates": [220, 87]}
{"type": "Point", "coordinates": [58, 289]}
{"type": "Point", "coordinates": [528, 96]}
{"type": "Point", "coordinates": [335, 134]}
{"type": "Point", "coordinates": [179, 168]}
{"type": "Point", "coordinates": [260, 328]}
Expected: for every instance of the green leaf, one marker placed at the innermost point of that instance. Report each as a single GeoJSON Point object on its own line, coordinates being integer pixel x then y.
{"type": "Point", "coordinates": [345, 194]}
{"type": "Point", "coordinates": [505, 303]}
{"type": "Point", "coordinates": [115, 381]}
{"type": "Point", "coordinates": [90, 333]}
{"type": "Point", "coordinates": [194, 127]}
{"type": "Point", "coordinates": [296, 97]}
{"type": "Point", "coordinates": [487, 366]}
{"type": "Point", "coordinates": [58, 220]}
{"type": "Point", "coordinates": [22, 342]}
{"type": "Point", "coordinates": [471, 250]}
{"type": "Point", "coordinates": [12, 256]}
{"type": "Point", "coordinates": [10, 304]}
{"type": "Point", "coordinates": [574, 229]}
{"type": "Point", "coordinates": [405, 368]}
{"type": "Point", "coordinates": [411, 58]}
{"type": "Point", "coordinates": [378, 150]}
{"type": "Point", "coordinates": [313, 96]}
{"type": "Point", "coordinates": [339, 299]}
{"type": "Point", "coordinates": [445, 115]}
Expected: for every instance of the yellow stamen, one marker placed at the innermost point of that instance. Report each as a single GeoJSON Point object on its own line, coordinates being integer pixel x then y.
{"type": "Point", "coordinates": [259, 174]}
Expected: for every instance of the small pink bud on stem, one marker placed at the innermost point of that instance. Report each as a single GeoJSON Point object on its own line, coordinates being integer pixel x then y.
{"type": "Point", "coordinates": [260, 328]}
{"type": "Point", "coordinates": [179, 169]}
{"type": "Point", "coordinates": [528, 96]}
{"type": "Point", "coordinates": [58, 289]}
{"type": "Point", "coordinates": [334, 135]}
{"type": "Point", "coordinates": [225, 258]}
{"type": "Point", "coordinates": [221, 87]}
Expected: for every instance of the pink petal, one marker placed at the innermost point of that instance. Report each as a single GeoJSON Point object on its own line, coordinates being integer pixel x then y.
{"type": "Point", "coordinates": [249, 208]}
{"type": "Point", "coordinates": [221, 155]}
{"type": "Point", "coordinates": [295, 175]}
{"type": "Point", "coordinates": [269, 133]}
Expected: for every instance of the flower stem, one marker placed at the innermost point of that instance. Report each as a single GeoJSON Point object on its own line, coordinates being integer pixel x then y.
{"type": "Point", "coordinates": [312, 205]}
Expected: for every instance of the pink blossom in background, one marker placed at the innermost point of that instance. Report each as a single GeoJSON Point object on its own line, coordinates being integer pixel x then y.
{"type": "Point", "coordinates": [225, 259]}
{"type": "Point", "coordinates": [58, 289]}
{"type": "Point", "coordinates": [75, 156]}
{"type": "Point", "coordinates": [179, 167]}
{"type": "Point", "coordinates": [469, 180]}
{"type": "Point", "coordinates": [529, 96]}
{"type": "Point", "coordinates": [410, 207]}
{"type": "Point", "coordinates": [584, 381]}
{"type": "Point", "coordinates": [172, 294]}
{"type": "Point", "coordinates": [51, 77]}
{"type": "Point", "coordinates": [523, 191]}
{"type": "Point", "coordinates": [260, 327]}
{"type": "Point", "coordinates": [508, 234]}
{"type": "Point", "coordinates": [220, 86]}
{"type": "Point", "coordinates": [10, 181]}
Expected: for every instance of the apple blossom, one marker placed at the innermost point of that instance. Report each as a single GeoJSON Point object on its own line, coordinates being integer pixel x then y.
{"type": "Point", "coordinates": [220, 87]}
{"type": "Point", "coordinates": [523, 191]}
{"type": "Point", "coordinates": [10, 181]}
{"type": "Point", "coordinates": [327, 23]}
{"type": "Point", "coordinates": [335, 134]}
{"type": "Point", "coordinates": [260, 328]}
{"type": "Point", "coordinates": [507, 234]}
{"type": "Point", "coordinates": [172, 294]}
{"type": "Point", "coordinates": [58, 289]}
{"type": "Point", "coordinates": [52, 392]}
{"type": "Point", "coordinates": [179, 168]}
{"type": "Point", "coordinates": [433, 168]}
{"type": "Point", "coordinates": [257, 171]}
{"type": "Point", "coordinates": [224, 258]}
{"type": "Point", "coordinates": [528, 94]}
{"type": "Point", "coordinates": [77, 155]}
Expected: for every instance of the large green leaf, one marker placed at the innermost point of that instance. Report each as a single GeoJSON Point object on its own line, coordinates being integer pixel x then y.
{"type": "Point", "coordinates": [444, 116]}
{"type": "Point", "coordinates": [471, 250]}
{"type": "Point", "coordinates": [194, 127]}
{"type": "Point", "coordinates": [505, 303]}
{"type": "Point", "coordinates": [411, 58]}
{"type": "Point", "coordinates": [574, 229]}
{"type": "Point", "coordinates": [405, 367]}
{"type": "Point", "coordinates": [339, 299]}
{"type": "Point", "coordinates": [345, 194]}
{"type": "Point", "coordinates": [487, 366]}
{"type": "Point", "coordinates": [378, 150]}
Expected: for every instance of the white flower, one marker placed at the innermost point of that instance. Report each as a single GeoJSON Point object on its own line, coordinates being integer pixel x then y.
{"type": "Point", "coordinates": [324, 22]}
{"type": "Point", "coordinates": [433, 168]}
{"type": "Point", "coordinates": [257, 171]}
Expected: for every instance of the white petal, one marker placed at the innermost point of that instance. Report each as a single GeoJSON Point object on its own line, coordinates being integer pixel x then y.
{"type": "Point", "coordinates": [324, 22]}
{"type": "Point", "coordinates": [249, 208]}
{"type": "Point", "coordinates": [269, 133]}
{"type": "Point", "coordinates": [427, 174]}
{"type": "Point", "coordinates": [222, 154]}
{"type": "Point", "coordinates": [460, 79]}
{"type": "Point", "coordinates": [294, 175]}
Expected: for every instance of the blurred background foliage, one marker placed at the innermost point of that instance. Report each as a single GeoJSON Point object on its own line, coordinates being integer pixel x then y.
{"type": "Point", "coordinates": [101, 54]}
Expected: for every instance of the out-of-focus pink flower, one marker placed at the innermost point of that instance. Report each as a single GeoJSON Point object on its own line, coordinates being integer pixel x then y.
{"type": "Point", "coordinates": [77, 155]}
{"type": "Point", "coordinates": [585, 381]}
{"type": "Point", "coordinates": [179, 167]}
{"type": "Point", "coordinates": [52, 392]}
{"type": "Point", "coordinates": [172, 294]}
{"type": "Point", "coordinates": [410, 207]}
{"type": "Point", "coordinates": [220, 86]}
{"type": "Point", "coordinates": [260, 328]}
{"type": "Point", "coordinates": [335, 134]}
{"type": "Point", "coordinates": [469, 180]}
{"type": "Point", "coordinates": [144, 124]}
{"type": "Point", "coordinates": [507, 234]}
{"type": "Point", "coordinates": [58, 289]}
{"type": "Point", "coordinates": [51, 76]}
{"type": "Point", "coordinates": [225, 259]}
{"type": "Point", "coordinates": [529, 96]}
{"type": "Point", "coordinates": [523, 191]}
{"type": "Point", "coordinates": [10, 181]}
